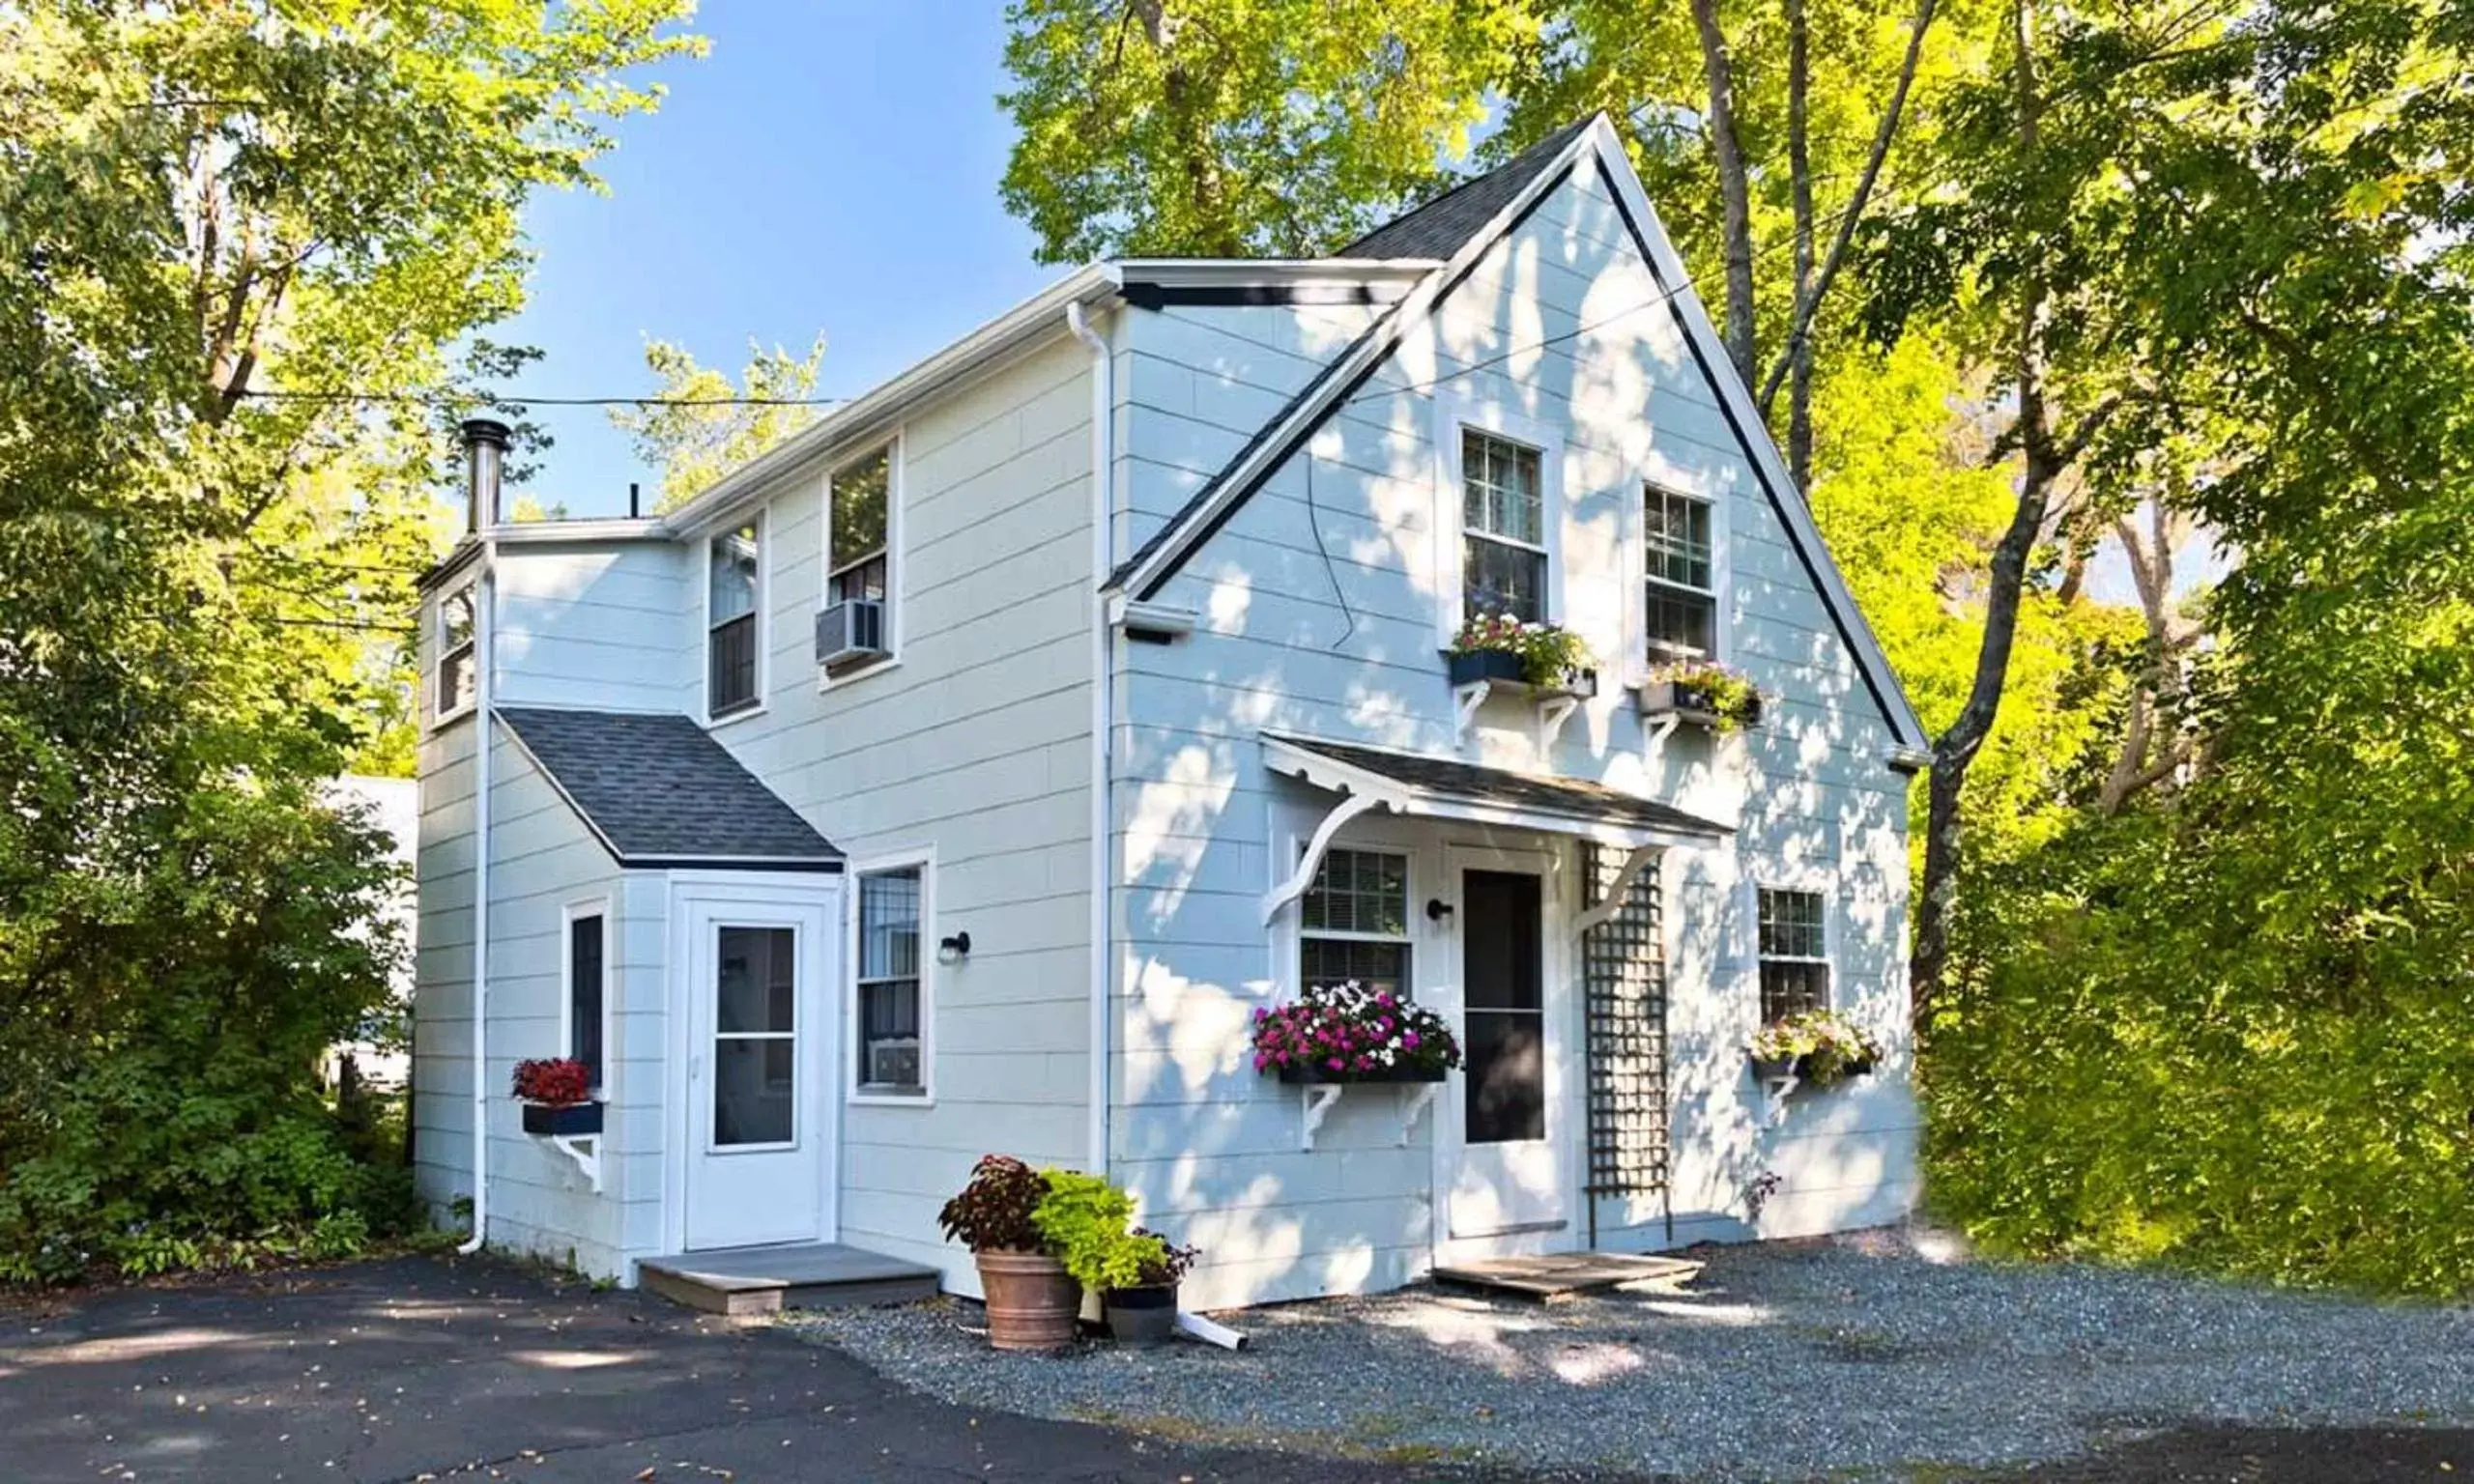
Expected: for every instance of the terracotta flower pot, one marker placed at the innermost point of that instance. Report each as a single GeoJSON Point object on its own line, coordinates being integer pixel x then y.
{"type": "Point", "coordinates": [1032, 1301]}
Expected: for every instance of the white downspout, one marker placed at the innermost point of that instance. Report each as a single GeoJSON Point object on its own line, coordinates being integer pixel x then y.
{"type": "Point", "coordinates": [485, 442]}
{"type": "Point", "coordinates": [1102, 518]}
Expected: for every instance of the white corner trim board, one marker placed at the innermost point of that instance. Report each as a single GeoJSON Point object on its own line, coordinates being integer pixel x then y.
{"type": "Point", "coordinates": [1103, 656]}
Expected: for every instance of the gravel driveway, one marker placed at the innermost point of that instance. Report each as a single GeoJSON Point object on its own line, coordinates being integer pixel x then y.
{"type": "Point", "coordinates": [1884, 1354]}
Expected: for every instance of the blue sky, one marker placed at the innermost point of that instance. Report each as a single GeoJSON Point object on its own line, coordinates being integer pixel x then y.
{"type": "Point", "coordinates": [831, 166]}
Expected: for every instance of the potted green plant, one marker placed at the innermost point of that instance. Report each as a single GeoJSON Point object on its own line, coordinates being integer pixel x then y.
{"type": "Point", "coordinates": [1089, 1224]}
{"type": "Point", "coordinates": [1704, 693]}
{"type": "Point", "coordinates": [1817, 1047]}
{"type": "Point", "coordinates": [1146, 1312]}
{"type": "Point", "coordinates": [1347, 1033]}
{"type": "Point", "coordinates": [557, 1094]}
{"type": "Point", "coordinates": [1032, 1301]}
{"type": "Point", "coordinates": [1500, 648]}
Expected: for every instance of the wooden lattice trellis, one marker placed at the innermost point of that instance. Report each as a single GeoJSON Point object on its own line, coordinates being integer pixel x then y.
{"type": "Point", "coordinates": [1623, 978]}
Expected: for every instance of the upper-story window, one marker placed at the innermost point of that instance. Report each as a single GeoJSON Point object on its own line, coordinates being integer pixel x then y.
{"type": "Point", "coordinates": [453, 691]}
{"type": "Point", "coordinates": [858, 557]}
{"type": "Point", "coordinates": [1794, 953]}
{"type": "Point", "coordinates": [1683, 575]}
{"type": "Point", "coordinates": [1502, 528]}
{"type": "Point", "coordinates": [734, 644]}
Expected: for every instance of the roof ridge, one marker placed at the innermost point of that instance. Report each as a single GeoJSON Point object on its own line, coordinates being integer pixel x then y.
{"type": "Point", "coordinates": [1513, 172]}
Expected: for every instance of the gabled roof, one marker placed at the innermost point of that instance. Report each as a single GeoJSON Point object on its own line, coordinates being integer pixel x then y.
{"type": "Point", "coordinates": [1505, 197]}
{"type": "Point", "coordinates": [659, 791]}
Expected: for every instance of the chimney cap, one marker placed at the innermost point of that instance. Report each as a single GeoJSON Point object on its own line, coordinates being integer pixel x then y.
{"type": "Point", "coordinates": [486, 430]}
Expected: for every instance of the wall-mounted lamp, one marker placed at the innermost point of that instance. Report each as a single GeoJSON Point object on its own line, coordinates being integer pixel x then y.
{"type": "Point", "coordinates": [1437, 909]}
{"type": "Point", "coordinates": [955, 949]}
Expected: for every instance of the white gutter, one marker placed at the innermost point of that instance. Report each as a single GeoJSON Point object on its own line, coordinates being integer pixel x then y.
{"type": "Point", "coordinates": [1102, 518]}
{"type": "Point", "coordinates": [485, 657]}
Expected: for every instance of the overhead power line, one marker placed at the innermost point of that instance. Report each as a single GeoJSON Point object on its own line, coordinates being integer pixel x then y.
{"type": "Point", "coordinates": [495, 399]}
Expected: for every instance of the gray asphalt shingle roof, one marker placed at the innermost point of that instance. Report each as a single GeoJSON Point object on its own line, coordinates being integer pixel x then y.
{"type": "Point", "coordinates": [660, 792]}
{"type": "Point", "coordinates": [1572, 798]}
{"type": "Point", "coordinates": [1443, 225]}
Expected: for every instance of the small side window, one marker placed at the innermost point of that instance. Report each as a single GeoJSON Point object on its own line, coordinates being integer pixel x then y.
{"type": "Point", "coordinates": [453, 686]}
{"type": "Point", "coordinates": [587, 985]}
{"type": "Point", "coordinates": [892, 1058]}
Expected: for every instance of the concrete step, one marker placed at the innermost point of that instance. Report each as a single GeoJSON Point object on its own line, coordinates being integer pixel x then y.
{"type": "Point", "coordinates": [1558, 1275]}
{"type": "Point", "coordinates": [797, 1275]}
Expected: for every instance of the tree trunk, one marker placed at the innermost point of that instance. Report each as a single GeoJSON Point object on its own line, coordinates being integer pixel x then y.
{"type": "Point", "coordinates": [1735, 192]}
{"type": "Point", "coordinates": [1800, 172]}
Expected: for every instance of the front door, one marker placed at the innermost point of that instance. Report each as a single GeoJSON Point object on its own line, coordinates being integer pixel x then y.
{"type": "Point", "coordinates": [1507, 1184]}
{"type": "Point", "coordinates": [759, 1153]}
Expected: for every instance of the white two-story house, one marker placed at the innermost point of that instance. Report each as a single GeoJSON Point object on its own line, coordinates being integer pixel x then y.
{"type": "Point", "coordinates": [962, 775]}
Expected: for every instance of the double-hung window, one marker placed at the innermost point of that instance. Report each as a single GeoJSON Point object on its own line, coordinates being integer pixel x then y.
{"type": "Point", "coordinates": [733, 584]}
{"type": "Point", "coordinates": [859, 558]}
{"type": "Point", "coordinates": [1794, 953]}
{"type": "Point", "coordinates": [891, 1056]}
{"type": "Point", "coordinates": [454, 688]}
{"type": "Point", "coordinates": [587, 987]}
{"type": "Point", "coordinates": [1502, 528]}
{"type": "Point", "coordinates": [1683, 575]}
{"type": "Point", "coordinates": [1354, 922]}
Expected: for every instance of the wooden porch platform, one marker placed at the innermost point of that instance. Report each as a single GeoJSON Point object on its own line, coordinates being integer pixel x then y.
{"type": "Point", "coordinates": [1558, 1275]}
{"type": "Point", "coordinates": [800, 1276]}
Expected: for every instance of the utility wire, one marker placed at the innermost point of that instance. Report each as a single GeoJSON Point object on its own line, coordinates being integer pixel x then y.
{"type": "Point", "coordinates": [493, 399]}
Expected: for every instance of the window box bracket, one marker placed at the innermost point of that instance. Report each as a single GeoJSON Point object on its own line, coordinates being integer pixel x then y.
{"type": "Point", "coordinates": [1317, 1098]}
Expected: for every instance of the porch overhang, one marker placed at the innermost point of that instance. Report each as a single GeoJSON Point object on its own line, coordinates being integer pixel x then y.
{"type": "Point", "coordinates": [1418, 786]}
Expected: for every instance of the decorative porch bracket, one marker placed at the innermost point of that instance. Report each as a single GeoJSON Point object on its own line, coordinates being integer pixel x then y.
{"type": "Point", "coordinates": [1642, 858]}
{"type": "Point", "coordinates": [1288, 891]}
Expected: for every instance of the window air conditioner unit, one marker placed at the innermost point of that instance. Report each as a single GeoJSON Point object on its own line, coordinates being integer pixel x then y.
{"type": "Point", "coordinates": [854, 629]}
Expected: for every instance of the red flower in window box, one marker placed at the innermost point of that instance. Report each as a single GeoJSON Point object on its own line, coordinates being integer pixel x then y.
{"type": "Point", "coordinates": [554, 1081]}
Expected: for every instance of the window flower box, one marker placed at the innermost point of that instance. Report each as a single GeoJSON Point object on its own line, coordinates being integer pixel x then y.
{"type": "Point", "coordinates": [1496, 667]}
{"type": "Point", "coordinates": [557, 1094]}
{"type": "Point", "coordinates": [1299, 1075]}
{"type": "Point", "coordinates": [1708, 695]}
{"type": "Point", "coordinates": [562, 1120]}
{"type": "Point", "coordinates": [1500, 648]}
{"type": "Point", "coordinates": [1818, 1048]}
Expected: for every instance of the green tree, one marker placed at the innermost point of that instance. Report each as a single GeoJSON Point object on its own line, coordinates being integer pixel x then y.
{"type": "Point", "coordinates": [242, 250]}
{"type": "Point", "coordinates": [700, 426]}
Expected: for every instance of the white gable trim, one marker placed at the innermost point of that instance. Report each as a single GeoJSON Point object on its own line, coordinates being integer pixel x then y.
{"type": "Point", "coordinates": [1601, 146]}
{"type": "Point", "coordinates": [1768, 466]}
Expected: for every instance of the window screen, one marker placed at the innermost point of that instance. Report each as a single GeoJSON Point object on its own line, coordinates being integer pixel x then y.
{"type": "Point", "coordinates": [1502, 529]}
{"type": "Point", "coordinates": [888, 975]}
{"type": "Point", "coordinates": [1794, 954]}
{"type": "Point", "coordinates": [1355, 922]}
{"type": "Point", "coordinates": [1683, 575]}
{"type": "Point", "coordinates": [584, 993]}
{"type": "Point", "coordinates": [733, 600]}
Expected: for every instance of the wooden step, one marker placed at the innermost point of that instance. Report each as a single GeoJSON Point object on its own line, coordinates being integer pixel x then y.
{"type": "Point", "coordinates": [1557, 1275]}
{"type": "Point", "coordinates": [798, 1275]}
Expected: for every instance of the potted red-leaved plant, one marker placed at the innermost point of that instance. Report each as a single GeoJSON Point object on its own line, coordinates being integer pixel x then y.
{"type": "Point", "coordinates": [557, 1094]}
{"type": "Point", "coordinates": [1032, 1301]}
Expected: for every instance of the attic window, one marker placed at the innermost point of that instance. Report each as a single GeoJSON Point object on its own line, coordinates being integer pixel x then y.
{"type": "Point", "coordinates": [1502, 528]}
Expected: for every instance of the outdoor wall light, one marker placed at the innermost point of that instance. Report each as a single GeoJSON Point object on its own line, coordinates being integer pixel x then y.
{"type": "Point", "coordinates": [952, 949]}
{"type": "Point", "coordinates": [1437, 909]}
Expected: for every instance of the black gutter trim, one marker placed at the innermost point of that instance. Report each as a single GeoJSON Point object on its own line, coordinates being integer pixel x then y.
{"type": "Point", "coordinates": [1794, 542]}
{"type": "Point", "coordinates": [1161, 296]}
{"type": "Point", "coordinates": [1298, 440]}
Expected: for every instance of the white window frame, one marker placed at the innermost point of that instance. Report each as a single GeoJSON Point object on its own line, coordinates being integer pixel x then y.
{"type": "Point", "coordinates": [1452, 416]}
{"type": "Point", "coordinates": [1638, 603]}
{"type": "Point", "coordinates": [581, 907]}
{"type": "Point", "coordinates": [923, 858]}
{"type": "Point", "coordinates": [1822, 884]}
{"type": "Point", "coordinates": [761, 519]}
{"type": "Point", "coordinates": [1292, 973]}
{"type": "Point", "coordinates": [440, 714]}
{"type": "Point", "coordinates": [896, 603]}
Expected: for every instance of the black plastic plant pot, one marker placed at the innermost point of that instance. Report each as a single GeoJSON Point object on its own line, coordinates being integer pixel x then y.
{"type": "Point", "coordinates": [1319, 1076]}
{"type": "Point", "coordinates": [1495, 665]}
{"type": "Point", "coordinates": [565, 1122]}
{"type": "Point", "coordinates": [1141, 1316]}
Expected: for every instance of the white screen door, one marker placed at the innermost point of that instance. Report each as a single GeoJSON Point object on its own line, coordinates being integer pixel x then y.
{"type": "Point", "coordinates": [758, 1152]}
{"type": "Point", "coordinates": [1504, 1132]}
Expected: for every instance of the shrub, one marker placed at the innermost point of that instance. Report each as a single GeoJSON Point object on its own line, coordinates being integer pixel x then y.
{"type": "Point", "coordinates": [993, 1211]}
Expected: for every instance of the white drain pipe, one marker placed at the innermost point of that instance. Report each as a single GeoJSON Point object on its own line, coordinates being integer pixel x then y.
{"type": "Point", "coordinates": [1103, 517]}
{"type": "Point", "coordinates": [484, 445]}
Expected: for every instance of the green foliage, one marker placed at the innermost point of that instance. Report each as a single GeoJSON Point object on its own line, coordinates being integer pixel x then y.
{"type": "Point", "coordinates": [1088, 1224]}
{"type": "Point", "coordinates": [213, 218]}
{"type": "Point", "coordinates": [1825, 1046]}
{"type": "Point", "coordinates": [701, 431]}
